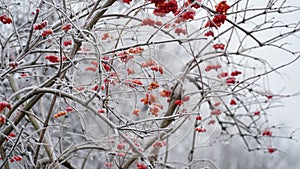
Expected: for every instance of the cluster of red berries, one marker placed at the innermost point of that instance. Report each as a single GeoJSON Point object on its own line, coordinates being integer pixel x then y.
{"type": "Point", "coordinates": [148, 22]}
{"type": "Point", "coordinates": [219, 46]}
{"type": "Point", "coordinates": [153, 85]}
{"type": "Point", "coordinates": [66, 27]}
{"type": "Point", "coordinates": [222, 7]}
{"type": "Point", "coordinates": [121, 146]}
{"type": "Point", "coordinates": [216, 112]}
{"type": "Point", "coordinates": [185, 16]}
{"type": "Point", "coordinates": [223, 74]}
{"type": "Point", "coordinates": [200, 130]}
{"type": "Point", "coordinates": [155, 109]}
{"type": "Point", "coordinates": [67, 42]}
{"type": "Point", "coordinates": [136, 50]}
{"type": "Point", "coordinates": [127, 1]}
{"type": "Point", "coordinates": [125, 56]}
{"type": "Point", "coordinates": [136, 112]}
{"type": "Point", "coordinates": [149, 62]}
{"type": "Point", "coordinates": [101, 111]}
{"type": "Point", "coordinates": [13, 64]}
{"type": "Point", "coordinates": [47, 32]}
{"type": "Point", "coordinates": [133, 82]}
{"type": "Point", "coordinates": [15, 158]}
{"type": "Point", "coordinates": [157, 68]}
{"type": "Point", "coordinates": [180, 102]}
{"type": "Point", "coordinates": [153, 66]}
{"type": "Point", "coordinates": [217, 21]}
{"type": "Point", "coordinates": [195, 4]}
{"type": "Point", "coordinates": [158, 144]}
{"type": "Point", "coordinates": [106, 67]}
{"type": "Point", "coordinates": [141, 166]}
{"type": "Point", "coordinates": [151, 22]}
{"type": "Point", "coordinates": [11, 135]}
{"type": "Point", "coordinates": [55, 59]}
{"type": "Point", "coordinates": [233, 102]}
{"type": "Point", "coordinates": [236, 73]}
{"type": "Point", "coordinates": [267, 133]}
{"type": "Point", "coordinates": [149, 99]}
{"type": "Point", "coordinates": [271, 150]}
{"type": "Point", "coordinates": [256, 113]}
{"type": "Point", "coordinates": [198, 118]}
{"type": "Point", "coordinates": [69, 109]}
{"type": "Point", "coordinates": [163, 8]}
{"type": "Point", "coordinates": [180, 30]}
{"type": "Point", "coordinates": [209, 33]}
{"type": "Point", "coordinates": [210, 67]}
{"type": "Point", "coordinates": [40, 26]}
{"type": "Point", "coordinates": [4, 105]}
{"type": "Point", "coordinates": [165, 93]}
{"type": "Point", "coordinates": [5, 19]}
{"type": "Point", "coordinates": [230, 80]}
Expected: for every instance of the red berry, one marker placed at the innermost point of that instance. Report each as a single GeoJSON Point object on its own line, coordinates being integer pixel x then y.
{"type": "Point", "coordinates": [180, 30]}
{"type": "Point", "coordinates": [230, 80]}
{"type": "Point", "coordinates": [69, 109]}
{"type": "Point", "coordinates": [13, 64]}
{"type": "Point", "coordinates": [178, 102]}
{"type": "Point", "coordinates": [257, 113]}
{"type": "Point", "coordinates": [219, 46]}
{"type": "Point", "coordinates": [271, 150]}
{"type": "Point", "coordinates": [148, 22]}
{"type": "Point", "coordinates": [141, 166]}
{"type": "Point", "coordinates": [269, 96]}
{"type": "Point", "coordinates": [216, 112]}
{"type": "Point", "coordinates": [209, 33]}
{"type": "Point", "coordinates": [200, 130]}
{"type": "Point", "coordinates": [40, 26]}
{"type": "Point", "coordinates": [12, 134]}
{"type": "Point", "coordinates": [101, 110]}
{"type": "Point", "coordinates": [267, 133]}
{"type": "Point", "coordinates": [66, 27]}
{"type": "Point", "coordinates": [67, 43]}
{"type": "Point", "coordinates": [235, 73]}
{"type": "Point", "coordinates": [120, 146]}
{"type": "Point", "coordinates": [222, 7]}
{"type": "Point", "coordinates": [18, 158]}
{"type": "Point", "coordinates": [108, 164]}
{"type": "Point", "coordinates": [233, 102]}
{"type": "Point", "coordinates": [5, 19]}
{"type": "Point", "coordinates": [127, 1]}
{"type": "Point", "coordinates": [198, 118]}
{"type": "Point", "coordinates": [186, 98]}
{"type": "Point", "coordinates": [211, 122]}
{"type": "Point", "coordinates": [47, 32]}
{"type": "Point", "coordinates": [223, 74]}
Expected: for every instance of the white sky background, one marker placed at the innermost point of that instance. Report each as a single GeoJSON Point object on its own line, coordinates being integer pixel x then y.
{"type": "Point", "coordinates": [287, 83]}
{"type": "Point", "coordinates": [289, 115]}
